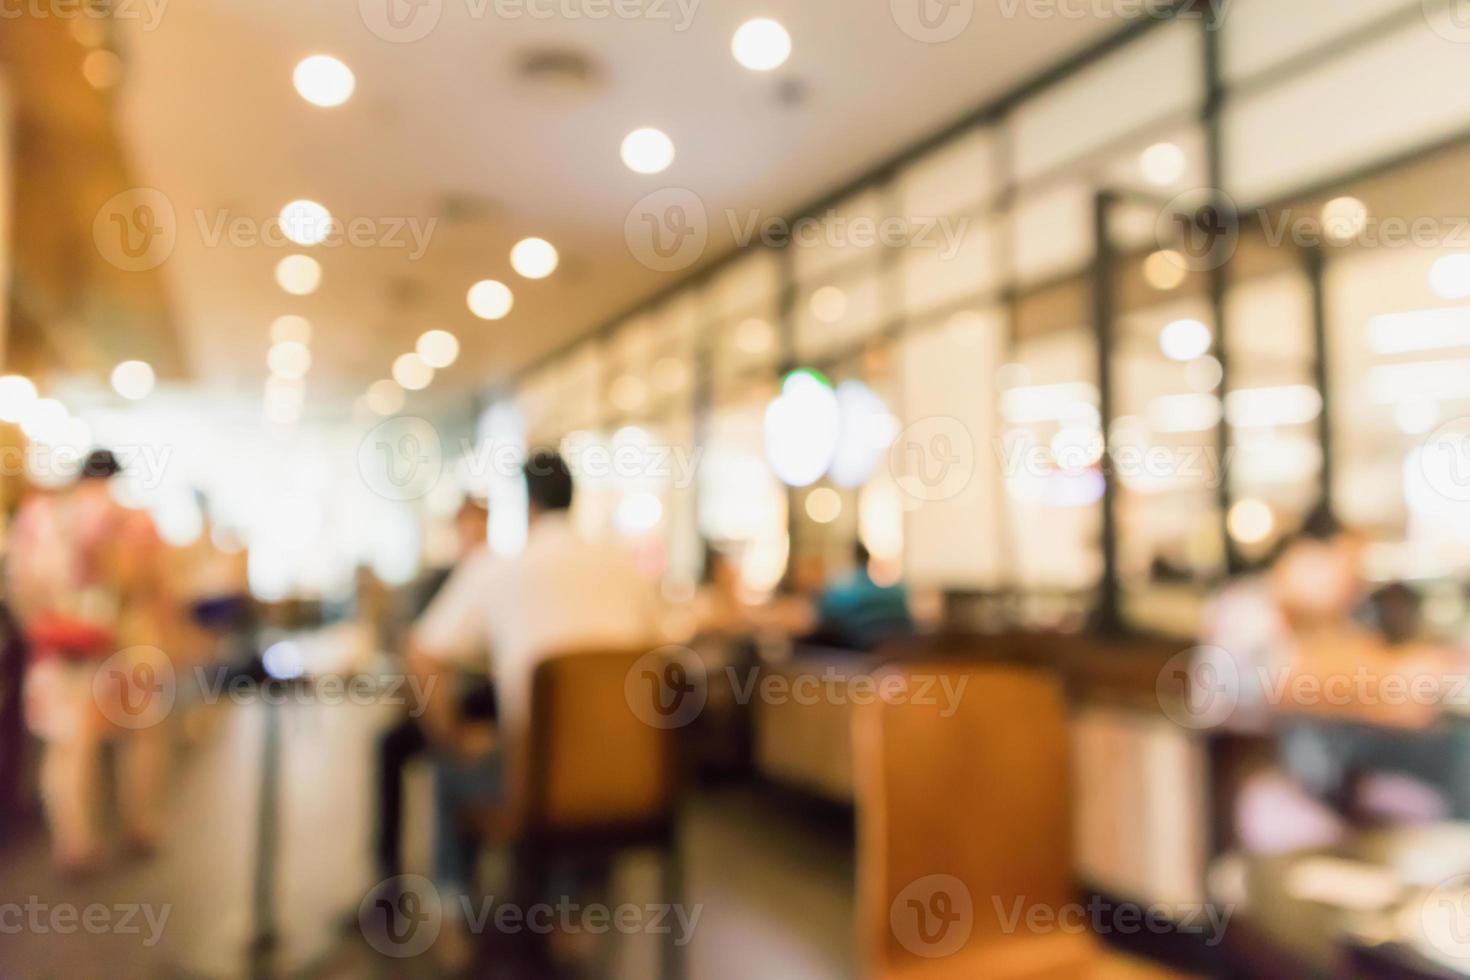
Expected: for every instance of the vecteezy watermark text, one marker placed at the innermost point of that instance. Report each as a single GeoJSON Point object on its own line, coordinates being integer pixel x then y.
{"type": "Point", "coordinates": [149, 12]}
{"type": "Point", "coordinates": [668, 688]}
{"type": "Point", "coordinates": [38, 917]}
{"type": "Point", "coordinates": [403, 916]}
{"type": "Point", "coordinates": [407, 21]}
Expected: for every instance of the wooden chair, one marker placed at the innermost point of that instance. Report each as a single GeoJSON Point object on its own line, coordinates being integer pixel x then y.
{"type": "Point", "coordinates": [965, 825]}
{"type": "Point", "coordinates": [595, 777]}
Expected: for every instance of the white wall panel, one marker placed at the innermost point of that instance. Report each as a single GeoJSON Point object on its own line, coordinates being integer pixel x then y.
{"type": "Point", "coordinates": [1260, 34]}
{"type": "Point", "coordinates": [1146, 81]}
{"type": "Point", "coordinates": [1053, 231]}
{"type": "Point", "coordinates": [1406, 90]}
{"type": "Point", "coordinates": [952, 535]}
{"type": "Point", "coordinates": [954, 178]}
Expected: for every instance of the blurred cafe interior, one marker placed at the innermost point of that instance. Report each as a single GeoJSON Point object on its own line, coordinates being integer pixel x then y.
{"type": "Point", "coordinates": [651, 488]}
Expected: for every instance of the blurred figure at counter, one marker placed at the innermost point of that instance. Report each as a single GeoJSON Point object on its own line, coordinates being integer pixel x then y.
{"type": "Point", "coordinates": [87, 579]}
{"type": "Point", "coordinates": [1328, 673]}
{"type": "Point", "coordinates": [856, 613]}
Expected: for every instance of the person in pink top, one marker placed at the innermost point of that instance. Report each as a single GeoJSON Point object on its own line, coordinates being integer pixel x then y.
{"type": "Point", "coordinates": [84, 576]}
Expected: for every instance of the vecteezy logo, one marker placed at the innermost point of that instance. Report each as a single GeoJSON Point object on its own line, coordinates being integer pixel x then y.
{"type": "Point", "coordinates": [1450, 19]}
{"type": "Point", "coordinates": [401, 916]}
{"type": "Point", "coordinates": [1201, 227]}
{"type": "Point", "coordinates": [400, 21]}
{"type": "Point", "coordinates": [933, 459]}
{"type": "Point", "coordinates": [932, 21]}
{"type": "Point", "coordinates": [1444, 923]}
{"type": "Point", "coordinates": [1199, 688]}
{"type": "Point", "coordinates": [136, 229]}
{"type": "Point", "coordinates": [933, 916]}
{"type": "Point", "coordinates": [401, 458]}
{"type": "Point", "coordinates": [135, 688]}
{"type": "Point", "coordinates": [666, 688]}
{"type": "Point", "coordinates": [667, 230]}
{"type": "Point", "coordinates": [1444, 459]}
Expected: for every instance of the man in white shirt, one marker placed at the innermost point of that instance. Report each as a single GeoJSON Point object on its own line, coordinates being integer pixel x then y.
{"type": "Point", "coordinates": [561, 594]}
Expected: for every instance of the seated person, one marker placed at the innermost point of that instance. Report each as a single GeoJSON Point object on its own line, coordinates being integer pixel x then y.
{"type": "Point", "coordinates": [856, 613]}
{"type": "Point", "coordinates": [562, 593]}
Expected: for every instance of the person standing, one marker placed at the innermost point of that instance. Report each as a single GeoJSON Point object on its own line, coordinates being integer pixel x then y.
{"type": "Point", "coordinates": [85, 576]}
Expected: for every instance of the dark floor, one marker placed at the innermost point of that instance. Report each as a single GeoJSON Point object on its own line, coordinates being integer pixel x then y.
{"type": "Point", "coordinates": [771, 881]}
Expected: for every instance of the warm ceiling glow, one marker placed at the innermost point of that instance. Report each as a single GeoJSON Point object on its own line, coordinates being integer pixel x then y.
{"type": "Point", "coordinates": [290, 327]}
{"type": "Point", "coordinates": [306, 222]}
{"type": "Point", "coordinates": [16, 395]}
{"type": "Point", "coordinates": [133, 380]}
{"type": "Point", "coordinates": [490, 299]}
{"type": "Point", "coordinates": [1344, 218]}
{"type": "Point", "coordinates": [648, 151]}
{"type": "Point", "coordinates": [761, 44]}
{"type": "Point", "coordinates": [438, 348]}
{"type": "Point", "coordinates": [290, 359]}
{"type": "Point", "coordinates": [1165, 270]}
{"type": "Point", "coordinates": [102, 69]}
{"type": "Point", "coordinates": [670, 375]}
{"type": "Point", "coordinates": [1251, 521]}
{"type": "Point", "coordinates": [1163, 164]}
{"type": "Point", "coordinates": [829, 304]}
{"type": "Point", "coordinates": [823, 505]}
{"type": "Point", "coordinates": [410, 371]}
{"type": "Point", "coordinates": [1184, 340]}
{"type": "Point", "coordinates": [627, 393]}
{"type": "Point", "coordinates": [534, 258]}
{"type": "Point", "coordinates": [385, 397]}
{"type": "Point", "coordinates": [323, 80]}
{"type": "Point", "coordinates": [754, 336]}
{"type": "Point", "coordinates": [1449, 277]}
{"type": "Point", "coordinates": [299, 275]}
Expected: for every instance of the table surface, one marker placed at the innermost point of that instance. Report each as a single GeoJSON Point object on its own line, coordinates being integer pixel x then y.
{"type": "Point", "coordinates": [1279, 933]}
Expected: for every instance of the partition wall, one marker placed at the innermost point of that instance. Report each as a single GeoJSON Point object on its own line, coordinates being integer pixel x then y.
{"type": "Point", "coordinates": [1151, 307]}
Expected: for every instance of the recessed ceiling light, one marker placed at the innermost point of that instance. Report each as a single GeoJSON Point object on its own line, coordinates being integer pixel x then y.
{"type": "Point", "coordinates": [1184, 340]}
{"type": "Point", "coordinates": [306, 222]}
{"type": "Point", "coordinates": [1251, 521]}
{"type": "Point", "coordinates": [648, 151]}
{"type": "Point", "coordinates": [133, 380]}
{"type": "Point", "coordinates": [1165, 270]}
{"type": "Point", "coordinates": [290, 359]}
{"type": "Point", "coordinates": [761, 44]}
{"type": "Point", "coordinates": [438, 348]}
{"type": "Point", "coordinates": [754, 336]}
{"type": "Point", "coordinates": [102, 69]}
{"type": "Point", "coordinates": [1163, 164]}
{"type": "Point", "coordinates": [1344, 218]}
{"type": "Point", "coordinates": [534, 258]}
{"type": "Point", "coordinates": [1449, 277]}
{"type": "Point", "coordinates": [490, 299]}
{"type": "Point", "coordinates": [410, 371]}
{"type": "Point", "coordinates": [384, 397]}
{"type": "Point", "coordinates": [291, 327]}
{"type": "Point", "coordinates": [324, 81]}
{"type": "Point", "coordinates": [299, 275]}
{"type": "Point", "coordinates": [829, 304]}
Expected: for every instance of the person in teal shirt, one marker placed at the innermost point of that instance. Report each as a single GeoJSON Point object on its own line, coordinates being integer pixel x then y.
{"type": "Point", "coordinates": [856, 613]}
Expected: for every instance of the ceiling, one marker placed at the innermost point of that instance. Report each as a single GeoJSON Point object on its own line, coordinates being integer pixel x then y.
{"type": "Point", "coordinates": [443, 130]}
